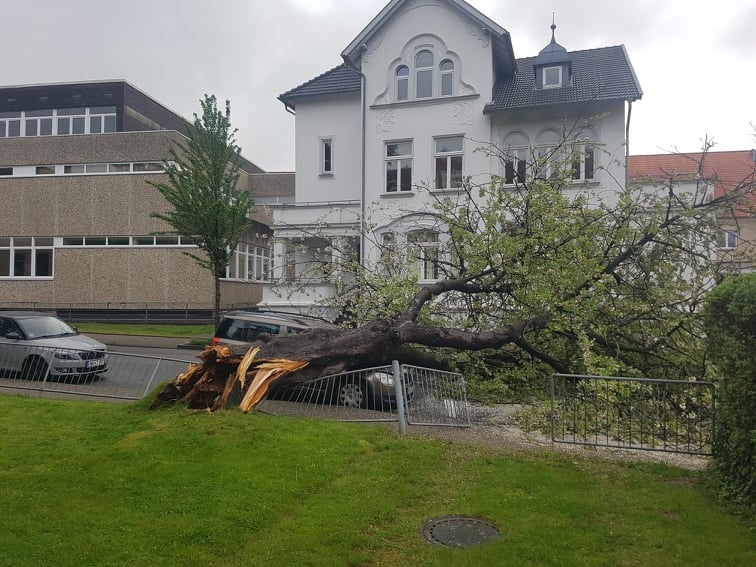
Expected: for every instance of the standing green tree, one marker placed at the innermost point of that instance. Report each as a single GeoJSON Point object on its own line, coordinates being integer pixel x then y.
{"type": "Point", "coordinates": [207, 204]}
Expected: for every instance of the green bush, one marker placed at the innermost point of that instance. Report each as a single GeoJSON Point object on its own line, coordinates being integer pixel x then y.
{"type": "Point", "coordinates": [730, 324]}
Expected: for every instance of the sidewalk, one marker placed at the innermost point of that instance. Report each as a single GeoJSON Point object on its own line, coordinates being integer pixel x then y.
{"type": "Point", "coordinates": [144, 341]}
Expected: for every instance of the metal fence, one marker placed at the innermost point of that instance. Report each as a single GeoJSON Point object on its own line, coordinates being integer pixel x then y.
{"type": "Point", "coordinates": [409, 395]}
{"type": "Point", "coordinates": [633, 413]}
{"type": "Point", "coordinates": [397, 393]}
{"type": "Point", "coordinates": [76, 373]}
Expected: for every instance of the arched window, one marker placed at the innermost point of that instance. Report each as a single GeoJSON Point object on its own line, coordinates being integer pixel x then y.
{"type": "Point", "coordinates": [423, 250]}
{"type": "Point", "coordinates": [447, 77]}
{"type": "Point", "coordinates": [549, 155]}
{"type": "Point", "coordinates": [584, 158]}
{"type": "Point", "coordinates": [402, 82]}
{"type": "Point", "coordinates": [515, 151]}
{"type": "Point", "coordinates": [424, 74]}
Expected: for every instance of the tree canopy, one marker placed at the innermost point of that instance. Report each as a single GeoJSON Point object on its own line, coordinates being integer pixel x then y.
{"type": "Point", "coordinates": [202, 189]}
{"type": "Point", "coordinates": [547, 275]}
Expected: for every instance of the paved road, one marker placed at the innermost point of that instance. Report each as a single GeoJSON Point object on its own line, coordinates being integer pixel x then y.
{"type": "Point", "coordinates": [133, 370]}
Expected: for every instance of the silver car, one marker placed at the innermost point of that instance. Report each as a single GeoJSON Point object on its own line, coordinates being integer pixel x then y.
{"type": "Point", "coordinates": [37, 346]}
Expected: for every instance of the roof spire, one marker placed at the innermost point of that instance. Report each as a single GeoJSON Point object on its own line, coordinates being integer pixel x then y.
{"type": "Point", "coordinates": [553, 51]}
{"type": "Point", "coordinates": [553, 26]}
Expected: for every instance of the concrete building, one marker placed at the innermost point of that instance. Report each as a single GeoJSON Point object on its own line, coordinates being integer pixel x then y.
{"type": "Point", "coordinates": [422, 88]}
{"type": "Point", "coordinates": [76, 230]}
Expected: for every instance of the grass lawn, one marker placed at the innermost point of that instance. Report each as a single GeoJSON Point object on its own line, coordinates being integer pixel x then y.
{"type": "Point", "coordinates": [85, 483]}
{"type": "Point", "coordinates": [154, 330]}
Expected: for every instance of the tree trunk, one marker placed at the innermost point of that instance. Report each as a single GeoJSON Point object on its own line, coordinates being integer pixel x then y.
{"type": "Point", "coordinates": [217, 303]}
{"type": "Point", "coordinates": [331, 351]}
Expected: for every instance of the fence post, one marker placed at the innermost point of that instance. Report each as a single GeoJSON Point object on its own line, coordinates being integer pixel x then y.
{"type": "Point", "coordinates": [399, 389]}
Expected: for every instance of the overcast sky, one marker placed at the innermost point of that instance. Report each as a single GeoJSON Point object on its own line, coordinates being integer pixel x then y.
{"type": "Point", "coordinates": [694, 58]}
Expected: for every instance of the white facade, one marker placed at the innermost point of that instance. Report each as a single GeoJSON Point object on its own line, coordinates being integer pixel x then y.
{"type": "Point", "coordinates": [407, 129]}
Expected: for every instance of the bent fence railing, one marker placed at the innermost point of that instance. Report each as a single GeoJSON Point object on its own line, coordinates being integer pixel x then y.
{"type": "Point", "coordinates": [408, 395]}
{"type": "Point", "coordinates": [633, 413]}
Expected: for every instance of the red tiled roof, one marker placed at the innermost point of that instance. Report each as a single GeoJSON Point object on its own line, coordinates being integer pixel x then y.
{"type": "Point", "coordinates": [725, 170]}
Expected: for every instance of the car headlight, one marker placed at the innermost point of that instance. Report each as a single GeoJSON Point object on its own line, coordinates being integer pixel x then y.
{"type": "Point", "coordinates": [64, 355]}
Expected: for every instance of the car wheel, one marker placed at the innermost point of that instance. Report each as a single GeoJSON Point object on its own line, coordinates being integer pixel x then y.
{"type": "Point", "coordinates": [34, 368]}
{"type": "Point", "coordinates": [353, 394]}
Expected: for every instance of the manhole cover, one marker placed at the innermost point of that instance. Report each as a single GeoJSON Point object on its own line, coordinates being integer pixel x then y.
{"type": "Point", "coordinates": [459, 531]}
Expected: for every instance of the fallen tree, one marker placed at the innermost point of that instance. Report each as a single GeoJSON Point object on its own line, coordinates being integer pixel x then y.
{"type": "Point", "coordinates": [531, 277]}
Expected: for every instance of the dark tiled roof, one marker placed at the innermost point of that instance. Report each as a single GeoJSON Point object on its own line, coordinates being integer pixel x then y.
{"type": "Point", "coordinates": [338, 80]}
{"type": "Point", "coordinates": [597, 74]}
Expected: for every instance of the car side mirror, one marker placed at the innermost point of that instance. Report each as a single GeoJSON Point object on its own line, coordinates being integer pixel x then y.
{"type": "Point", "coordinates": [12, 335]}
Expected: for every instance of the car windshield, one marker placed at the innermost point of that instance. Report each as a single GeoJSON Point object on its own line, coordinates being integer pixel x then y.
{"type": "Point", "coordinates": [39, 327]}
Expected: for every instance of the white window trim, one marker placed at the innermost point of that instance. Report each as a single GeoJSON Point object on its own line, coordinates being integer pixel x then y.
{"type": "Point", "coordinates": [323, 143]}
{"type": "Point", "coordinates": [516, 155]}
{"type": "Point", "coordinates": [580, 153]}
{"type": "Point", "coordinates": [448, 156]}
{"type": "Point", "coordinates": [55, 115]}
{"type": "Point", "coordinates": [422, 248]}
{"type": "Point", "coordinates": [729, 239]}
{"type": "Point", "coordinates": [543, 77]}
{"type": "Point", "coordinates": [33, 248]}
{"type": "Point", "coordinates": [399, 159]}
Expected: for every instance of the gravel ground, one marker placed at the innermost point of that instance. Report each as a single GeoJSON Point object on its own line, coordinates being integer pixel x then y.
{"type": "Point", "coordinates": [495, 426]}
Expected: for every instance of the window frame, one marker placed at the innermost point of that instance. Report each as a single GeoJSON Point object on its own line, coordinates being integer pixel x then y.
{"type": "Point", "coordinates": [728, 239]}
{"type": "Point", "coordinates": [402, 81]}
{"type": "Point", "coordinates": [516, 162]}
{"type": "Point", "coordinates": [326, 156]}
{"type": "Point", "coordinates": [559, 82]}
{"type": "Point", "coordinates": [583, 154]}
{"type": "Point", "coordinates": [443, 73]}
{"type": "Point", "coordinates": [428, 69]}
{"type": "Point", "coordinates": [36, 249]}
{"type": "Point", "coordinates": [400, 159]}
{"type": "Point", "coordinates": [425, 253]}
{"type": "Point", "coordinates": [448, 157]}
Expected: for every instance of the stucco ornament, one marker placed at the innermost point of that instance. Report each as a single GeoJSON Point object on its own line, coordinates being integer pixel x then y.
{"type": "Point", "coordinates": [463, 113]}
{"type": "Point", "coordinates": [385, 121]}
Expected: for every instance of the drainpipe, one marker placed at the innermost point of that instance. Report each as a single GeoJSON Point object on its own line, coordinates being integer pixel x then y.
{"type": "Point", "coordinates": [363, 113]}
{"type": "Point", "coordinates": [627, 142]}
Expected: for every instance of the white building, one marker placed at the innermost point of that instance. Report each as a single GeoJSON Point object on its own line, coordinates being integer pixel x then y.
{"type": "Point", "coordinates": [423, 86]}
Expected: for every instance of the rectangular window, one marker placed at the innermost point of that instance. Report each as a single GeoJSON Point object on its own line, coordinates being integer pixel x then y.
{"type": "Point", "coordinates": [425, 83]}
{"type": "Point", "coordinates": [552, 77]}
{"type": "Point", "coordinates": [728, 239]}
{"type": "Point", "coordinates": [250, 263]}
{"type": "Point", "coordinates": [26, 257]}
{"type": "Point", "coordinates": [398, 166]}
{"type": "Point", "coordinates": [148, 166]}
{"type": "Point", "coordinates": [45, 170]}
{"type": "Point", "coordinates": [448, 154]}
{"type": "Point", "coordinates": [326, 156]}
{"type": "Point", "coordinates": [583, 163]}
{"type": "Point", "coordinates": [6, 171]}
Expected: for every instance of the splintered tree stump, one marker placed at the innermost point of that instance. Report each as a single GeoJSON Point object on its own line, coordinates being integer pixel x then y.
{"type": "Point", "coordinates": [223, 378]}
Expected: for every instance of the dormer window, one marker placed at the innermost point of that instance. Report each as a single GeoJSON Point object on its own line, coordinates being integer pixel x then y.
{"type": "Point", "coordinates": [402, 82]}
{"type": "Point", "coordinates": [447, 77]}
{"type": "Point", "coordinates": [552, 77]}
{"type": "Point", "coordinates": [424, 74]}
